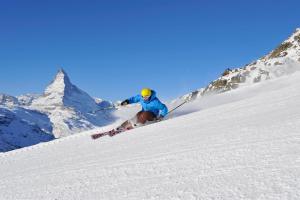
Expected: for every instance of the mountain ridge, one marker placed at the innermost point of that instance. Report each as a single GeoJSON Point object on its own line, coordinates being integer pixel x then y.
{"type": "Point", "coordinates": [63, 109]}
{"type": "Point", "coordinates": [284, 59]}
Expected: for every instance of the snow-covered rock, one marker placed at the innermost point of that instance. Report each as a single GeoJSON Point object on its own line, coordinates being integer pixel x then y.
{"type": "Point", "coordinates": [8, 100]}
{"type": "Point", "coordinates": [283, 60]}
{"type": "Point", "coordinates": [26, 99]}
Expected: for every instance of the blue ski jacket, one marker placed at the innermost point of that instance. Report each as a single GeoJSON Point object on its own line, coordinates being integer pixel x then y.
{"type": "Point", "coordinates": [153, 104]}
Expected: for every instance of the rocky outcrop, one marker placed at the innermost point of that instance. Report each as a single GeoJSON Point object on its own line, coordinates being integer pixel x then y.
{"type": "Point", "coordinates": [284, 59]}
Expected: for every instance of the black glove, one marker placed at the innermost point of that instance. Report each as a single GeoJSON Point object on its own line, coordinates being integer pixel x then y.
{"type": "Point", "coordinates": [124, 103]}
{"type": "Point", "coordinates": [159, 118]}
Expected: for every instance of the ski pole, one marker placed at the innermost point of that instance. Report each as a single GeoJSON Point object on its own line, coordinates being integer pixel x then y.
{"type": "Point", "coordinates": [177, 107]}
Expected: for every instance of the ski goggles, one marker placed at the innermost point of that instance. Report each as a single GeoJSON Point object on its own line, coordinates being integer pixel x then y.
{"type": "Point", "coordinates": [146, 97]}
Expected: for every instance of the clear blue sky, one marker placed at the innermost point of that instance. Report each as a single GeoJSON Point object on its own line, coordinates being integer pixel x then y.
{"type": "Point", "coordinates": [111, 49]}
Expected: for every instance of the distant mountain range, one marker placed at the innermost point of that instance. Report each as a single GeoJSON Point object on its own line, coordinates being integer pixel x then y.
{"type": "Point", "coordinates": [62, 110]}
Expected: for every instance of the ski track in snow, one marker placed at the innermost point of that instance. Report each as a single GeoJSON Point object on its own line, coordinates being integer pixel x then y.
{"type": "Point", "coordinates": [244, 147]}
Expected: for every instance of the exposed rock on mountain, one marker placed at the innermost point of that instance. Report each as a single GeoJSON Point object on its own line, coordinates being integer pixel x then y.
{"type": "Point", "coordinates": [284, 59]}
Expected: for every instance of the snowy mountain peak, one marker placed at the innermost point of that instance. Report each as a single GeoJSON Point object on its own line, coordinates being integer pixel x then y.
{"type": "Point", "coordinates": [62, 74]}
{"type": "Point", "coordinates": [61, 92]}
{"type": "Point", "coordinates": [60, 83]}
{"type": "Point", "coordinates": [69, 107]}
{"type": "Point", "coordinates": [61, 70]}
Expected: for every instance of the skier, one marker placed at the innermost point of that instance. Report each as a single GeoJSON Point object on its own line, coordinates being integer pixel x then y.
{"type": "Point", "coordinates": [152, 110]}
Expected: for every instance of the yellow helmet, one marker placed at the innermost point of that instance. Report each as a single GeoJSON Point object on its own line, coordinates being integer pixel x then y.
{"type": "Point", "coordinates": [146, 92]}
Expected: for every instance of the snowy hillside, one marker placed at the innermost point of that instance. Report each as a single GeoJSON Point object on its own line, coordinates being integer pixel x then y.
{"type": "Point", "coordinates": [242, 144]}
{"type": "Point", "coordinates": [283, 60]}
{"type": "Point", "coordinates": [20, 127]}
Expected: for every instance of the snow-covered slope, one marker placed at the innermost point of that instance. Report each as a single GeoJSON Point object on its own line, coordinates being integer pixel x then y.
{"type": "Point", "coordinates": [70, 109]}
{"type": "Point", "coordinates": [242, 144]}
{"type": "Point", "coordinates": [20, 127]}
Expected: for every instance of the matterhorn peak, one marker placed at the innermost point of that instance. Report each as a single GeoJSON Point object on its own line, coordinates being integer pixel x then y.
{"type": "Point", "coordinates": [61, 70]}
{"type": "Point", "coordinates": [62, 92]}
{"type": "Point", "coordinates": [68, 106]}
{"type": "Point", "coordinates": [60, 83]}
{"type": "Point", "coordinates": [62, 73]}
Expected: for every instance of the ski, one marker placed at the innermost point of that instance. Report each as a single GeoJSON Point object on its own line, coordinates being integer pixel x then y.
{"type": "Point", "coordinates": [122, 128]}
{"type": "Point", "coordinates": [110, 133]}
{"type": "Point", "coordinates": [98, 135]}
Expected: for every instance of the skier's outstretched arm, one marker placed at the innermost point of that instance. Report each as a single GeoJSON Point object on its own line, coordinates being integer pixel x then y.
{"type": "Point", "coordinates": [133, 99]}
